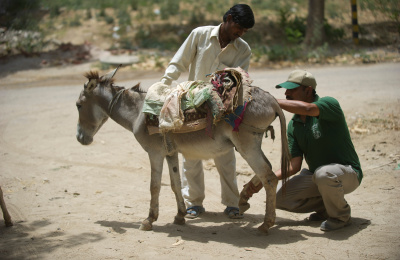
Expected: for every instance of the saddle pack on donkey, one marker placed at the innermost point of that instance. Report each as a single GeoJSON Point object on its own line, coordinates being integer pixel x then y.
{"type": "Point", "coordinates": [195, 105]}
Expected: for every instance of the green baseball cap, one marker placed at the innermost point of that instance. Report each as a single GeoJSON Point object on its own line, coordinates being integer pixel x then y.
{"type": "Point", "coordinates": [299, 78]}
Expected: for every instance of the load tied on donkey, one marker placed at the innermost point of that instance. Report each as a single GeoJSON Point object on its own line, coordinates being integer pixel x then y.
{"type": "Point", "coordinates": [201, 120]}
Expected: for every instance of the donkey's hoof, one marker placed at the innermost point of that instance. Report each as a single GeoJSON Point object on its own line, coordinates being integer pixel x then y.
{"type": "Point", "coordinates": [179, 220]}
{"type": "Point", "coordinates": [263, 228]}
{"type": "Point", "coordinates": [146, 226]}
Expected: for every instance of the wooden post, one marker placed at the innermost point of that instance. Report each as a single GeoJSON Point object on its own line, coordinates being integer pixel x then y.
{"type": "Point", "coordinates": [354, 21]}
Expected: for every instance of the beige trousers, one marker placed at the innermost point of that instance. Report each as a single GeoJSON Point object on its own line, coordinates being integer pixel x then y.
{"type": "Point", "coordinates": [322, 191]}
{"type": "Point", "coordinates": [193, 180]}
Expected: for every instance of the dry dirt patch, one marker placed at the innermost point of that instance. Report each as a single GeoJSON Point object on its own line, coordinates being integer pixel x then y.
{"type": "Point", "coordinates": [74, 202]}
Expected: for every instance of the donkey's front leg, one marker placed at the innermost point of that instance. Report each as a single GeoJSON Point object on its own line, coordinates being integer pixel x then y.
{"type": "Point", "coordinates": [156, 162]}
{"type": "Point", "coordinates": [173, 164]}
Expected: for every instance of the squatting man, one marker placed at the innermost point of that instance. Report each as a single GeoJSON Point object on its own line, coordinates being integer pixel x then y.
{"type": "Point", "coordinates": [318, 133]}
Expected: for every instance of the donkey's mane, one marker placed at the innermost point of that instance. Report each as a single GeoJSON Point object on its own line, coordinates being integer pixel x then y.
{"type": "Point", "coordinates": [138, 89]}
{"type": "Point", "coordinates": [91, 75]}
{"type": "Point", "coordinates": [95, 75]}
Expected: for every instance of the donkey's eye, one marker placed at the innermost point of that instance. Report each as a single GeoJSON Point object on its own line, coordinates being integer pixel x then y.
{"type": "Point", "coordinates": [78, 106]}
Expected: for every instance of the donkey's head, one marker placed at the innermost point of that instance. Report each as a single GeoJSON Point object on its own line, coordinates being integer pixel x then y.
{"type": "Point", "coordinates": [92, 105]}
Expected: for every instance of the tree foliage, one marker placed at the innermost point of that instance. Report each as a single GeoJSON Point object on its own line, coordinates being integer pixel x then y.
{"type": "Point", "coordinates": [391, 8]}
{"type": "Point", "coordinates": [164, 24]}
{"type": "Point", "coordinates": [19, 14]}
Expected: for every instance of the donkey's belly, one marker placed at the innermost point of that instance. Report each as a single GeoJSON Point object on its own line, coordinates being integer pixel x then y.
{"type": "Point", "coordinates": [198, 145]}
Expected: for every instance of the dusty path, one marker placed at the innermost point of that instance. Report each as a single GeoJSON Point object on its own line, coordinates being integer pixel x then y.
{"type": "Point", "coordinates": [70, 201]}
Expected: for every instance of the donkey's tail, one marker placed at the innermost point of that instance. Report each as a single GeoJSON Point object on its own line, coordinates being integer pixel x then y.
{"type": "Point", "coordinates": [285, 156]}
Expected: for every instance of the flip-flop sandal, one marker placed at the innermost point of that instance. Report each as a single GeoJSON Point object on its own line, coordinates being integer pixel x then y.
{"type": "Point", "coordinates": [233, 213]}
{"type": "Point", "coordinates": [194, 212]}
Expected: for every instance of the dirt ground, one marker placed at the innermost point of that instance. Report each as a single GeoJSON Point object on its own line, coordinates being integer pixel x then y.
{"type": "Point", "coordinates": [70, 201]}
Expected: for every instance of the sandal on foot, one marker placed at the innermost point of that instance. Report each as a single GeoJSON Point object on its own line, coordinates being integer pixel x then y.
{"type": "Point", "coordinates": [233, 213]}
{"type": "Point", "coordinates": [194, 212]}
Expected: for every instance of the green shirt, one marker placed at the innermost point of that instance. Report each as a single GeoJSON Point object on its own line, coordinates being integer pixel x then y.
{"type": "Point", "coordinates": [324, 139]}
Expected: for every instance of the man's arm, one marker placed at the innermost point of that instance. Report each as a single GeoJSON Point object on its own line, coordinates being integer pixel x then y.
{"type": "Point", "coordinates": [295, 166]}
{"type": "Point", "coordinates": [299, 107]}
{"type": "Point", "coordinates": [181, 60]}
{"type": "Point", "coordinates": [245, 60]}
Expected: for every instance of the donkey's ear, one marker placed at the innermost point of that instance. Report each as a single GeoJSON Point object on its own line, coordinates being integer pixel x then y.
{"type": "Point", "coordinates": [111, 74]}
{"type": "Point", "coordinates": [88, 87]}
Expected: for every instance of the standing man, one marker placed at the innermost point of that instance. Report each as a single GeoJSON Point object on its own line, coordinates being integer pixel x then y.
{"type": "Point", "coordinates": [206, 50]}
{"type": "Point", "coordinates": [318, 132]}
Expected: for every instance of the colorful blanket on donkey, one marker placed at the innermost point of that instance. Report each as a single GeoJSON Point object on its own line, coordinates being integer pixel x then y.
{"type": "Point", "coordinates": [195, 105]}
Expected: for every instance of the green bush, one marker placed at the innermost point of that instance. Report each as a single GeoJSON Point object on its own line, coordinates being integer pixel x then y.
{"type": "Point", "coordinates": [390, 8]}
{"type": "Point", "coordinates": [282, 53]}
{"type": "Point", "coordinates": [293, 35]}
{"type": "Point", "coordinates": [102, 12]}
{"type": "Point", "coordinates": [75, 22]}
{"type": "Point", "coordinates": [54, 11]}
{"type": "Point", "coordinates": [258, 52]}
{"type": "Point", "coordinates": [109, 19]}
{"type": "Point", "coordinates": [320, 53]}
{"type": "Point", "coordinates": [333, 34]}
{"type": "Point", "coordinates": [88, 14]}
{"type": "Point", "coordinates": [127, 43]}
{"type": "Point", "coordinates": [294, 29]}
{"type": "Point", "coordinates": [196, 18]}
{"type": "Point", "coordinates": [19, 15]}
{"type": "Point", "coordinates": [134, 5]}
{"type": "Point", "coordinates": [169, 8]}
{"type": "Point", "coordinates": [124, 17]}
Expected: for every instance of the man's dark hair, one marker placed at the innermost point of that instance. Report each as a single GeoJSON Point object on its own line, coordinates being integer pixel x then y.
{"type": "Point", "coordinates": [242, 15]}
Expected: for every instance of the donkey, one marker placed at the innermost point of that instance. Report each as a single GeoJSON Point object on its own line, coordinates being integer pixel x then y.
{"type": "Point", "coordinates": [100, 99]}
{"type": "Point", "coordinates": [6, 215]}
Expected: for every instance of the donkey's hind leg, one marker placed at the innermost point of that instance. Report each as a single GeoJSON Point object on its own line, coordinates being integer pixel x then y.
{"type": "Point", "coordinates": [173, 165]}
{"type": "Point", "coordinates": [249, 146]}
{"type": "Point", "coordinates": [253, 186]}
{"type": "Point", "coordinates": [6, 215]}
{"type": "Point", "coordinates": [156, 163]}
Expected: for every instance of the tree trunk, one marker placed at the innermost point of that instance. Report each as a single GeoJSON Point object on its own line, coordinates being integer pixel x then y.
{"type": "Point", "coordinates": [354, 21]}
{"type": "Point", "coordinates": [315, 34]}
